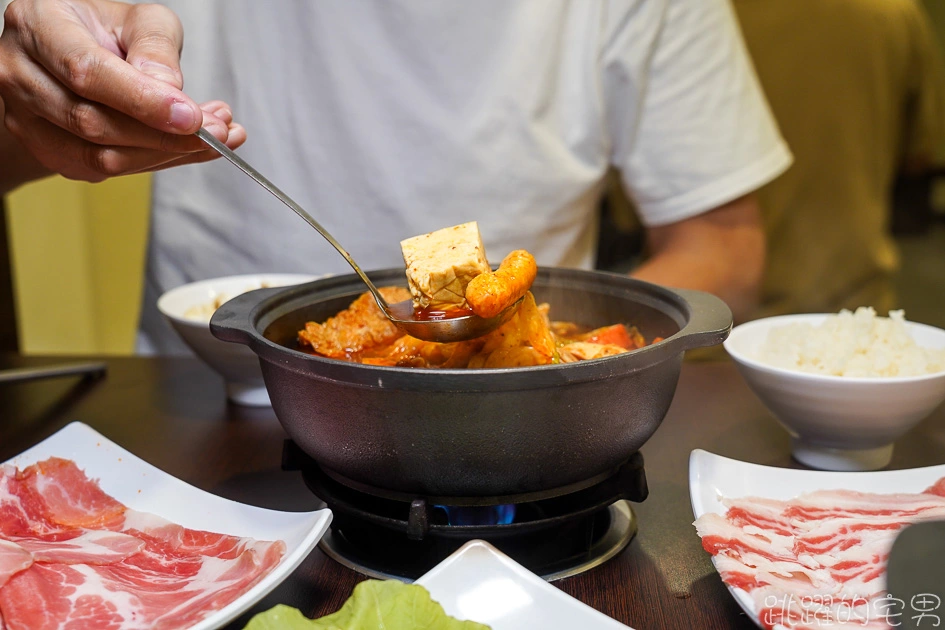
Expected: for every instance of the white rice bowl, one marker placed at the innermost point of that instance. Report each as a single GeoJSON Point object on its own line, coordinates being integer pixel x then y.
{"type": "Point", "coordinates": [845, 386]}
{"type": "Point", "coordinates": [859, 344]}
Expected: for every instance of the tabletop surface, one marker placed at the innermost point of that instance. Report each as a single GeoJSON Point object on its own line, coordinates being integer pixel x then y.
{"type": "Point", "coordinates": [172, 413]}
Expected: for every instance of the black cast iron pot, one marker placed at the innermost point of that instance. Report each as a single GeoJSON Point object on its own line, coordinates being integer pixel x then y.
{"type": "Point", "coordinates": [476, 433]}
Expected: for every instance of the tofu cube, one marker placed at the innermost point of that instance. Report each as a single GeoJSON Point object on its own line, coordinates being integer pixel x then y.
{"type": "Point", "coordinates": [440, 265]}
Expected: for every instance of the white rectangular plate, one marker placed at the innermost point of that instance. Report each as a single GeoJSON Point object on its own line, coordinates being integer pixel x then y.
{"type": "Point", "coordinates": [712, 477]}
{"type": "Point", "coordinates": [141, 486]}
{"type": "Point", "coordinates": [480, 583]}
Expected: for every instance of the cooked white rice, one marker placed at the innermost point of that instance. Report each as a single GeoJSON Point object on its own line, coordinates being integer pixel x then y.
{"type": "Point", "coordinates": [204, 312]}
{"type": "Point", "coordinates": [856, 344]}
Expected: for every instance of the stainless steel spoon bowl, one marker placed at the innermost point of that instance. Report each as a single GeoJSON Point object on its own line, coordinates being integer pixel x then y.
{"type": "Point", "coordinates": [401, 314]}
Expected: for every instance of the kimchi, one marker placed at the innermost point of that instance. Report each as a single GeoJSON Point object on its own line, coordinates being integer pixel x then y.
{"type": "Point", "coordinates": [361, 333]}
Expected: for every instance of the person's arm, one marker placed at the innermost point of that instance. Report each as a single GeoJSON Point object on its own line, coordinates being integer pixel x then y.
{"type": "Point", "coordinates": [17, 166]}
{"type": "Point", "coordinates": [924, 115]}
{"type": "Point", "coordinates": [92, 89]}
{"type": "Point", "coordinates": [704, 141]}
{"type": "Point", "coordinates": [721, 251]}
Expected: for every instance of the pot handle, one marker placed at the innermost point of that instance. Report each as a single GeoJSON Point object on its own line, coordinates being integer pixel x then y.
{"type": "Point", "coordinates": [232, 321]}
{"type": "Point", "coordinates": [710, 319]}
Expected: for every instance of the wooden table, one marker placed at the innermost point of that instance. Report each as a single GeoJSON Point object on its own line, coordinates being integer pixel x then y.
{"type": "Point", "coordinates": [172, 413]}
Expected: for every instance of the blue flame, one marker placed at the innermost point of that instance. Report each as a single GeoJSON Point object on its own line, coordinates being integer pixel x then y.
{"type": "Point", "coordinates": [479, 515]}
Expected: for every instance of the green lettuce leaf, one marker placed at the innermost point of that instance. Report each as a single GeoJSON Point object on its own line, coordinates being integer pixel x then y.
{"type": "Point", "coordinates": [374, 605]}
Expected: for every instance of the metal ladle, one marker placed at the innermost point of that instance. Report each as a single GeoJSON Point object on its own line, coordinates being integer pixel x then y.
{"type": "Point", "coordinates": [401, 314]}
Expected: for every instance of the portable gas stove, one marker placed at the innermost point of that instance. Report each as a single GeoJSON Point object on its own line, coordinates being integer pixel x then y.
{"type": "Point", "coordinates": [554, 533]}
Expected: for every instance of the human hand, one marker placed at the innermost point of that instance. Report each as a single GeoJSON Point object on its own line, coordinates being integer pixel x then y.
{"type": "Point", "coordinates": [92, 89]}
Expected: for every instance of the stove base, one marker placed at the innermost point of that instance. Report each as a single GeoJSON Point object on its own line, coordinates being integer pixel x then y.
{"type": "Point", "coordinates": [552, 555]}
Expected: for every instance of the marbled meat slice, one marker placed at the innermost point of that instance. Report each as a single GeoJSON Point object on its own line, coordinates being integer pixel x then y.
{"type": "Point", "coordinates": [134, 570]}
{"type": "Point", "coordinates": [168, 601]}
{"type": "Point", "coordinates": [157, 589]}
{"type": "Point", "coordinates": [13, 559]}
{"type": "Point", "coordinates": [57, 495]}
{"type": "Point", "coordinates": [362, 325]}
{"type": "Point", "coordinates": [185, 540]}
{"type": "Point", "coordinates": [85, 546]}
{"type": "Point", "coordinates": [21, 513]}
{"type": "Point", "coordinates": [71, 499]}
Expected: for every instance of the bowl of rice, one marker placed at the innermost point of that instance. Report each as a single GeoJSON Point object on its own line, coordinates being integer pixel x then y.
{"type": "Point", "coordinates": [846, 386]}
{"type": "Point", "coordinates": [188, 309]}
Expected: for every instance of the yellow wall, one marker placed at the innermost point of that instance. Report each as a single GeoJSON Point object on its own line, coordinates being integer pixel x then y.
{"type": "Point", "coordinates": [78, 257]}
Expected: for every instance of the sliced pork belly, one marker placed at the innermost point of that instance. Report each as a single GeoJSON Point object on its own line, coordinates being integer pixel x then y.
{"type": "Point", "coordinates": [765, 514]}
{"type": "Point", "coordinates": [754, 558]}
{"type": "Point", "coordinates": [815, 612]}
{"type": "Point", "coordinates": [937, 488]}
{"type": "Point", "coordinates": [817, 559]}
{"type": "Point", "coordinates": [846, 503]}
{"type": "Point", "coordinates": [719, 535]}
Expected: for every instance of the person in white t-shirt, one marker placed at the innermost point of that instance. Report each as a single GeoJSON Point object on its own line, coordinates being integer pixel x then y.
{"type": "Point", "coordinates": [391, 118]}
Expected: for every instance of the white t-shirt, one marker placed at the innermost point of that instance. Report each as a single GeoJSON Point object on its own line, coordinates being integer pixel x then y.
{"type": "Point", "coordinates": [390, 118]}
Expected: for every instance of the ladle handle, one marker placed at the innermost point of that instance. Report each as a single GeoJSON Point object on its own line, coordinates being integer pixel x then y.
{"type": "Point", "coordinates": [241, 164]}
